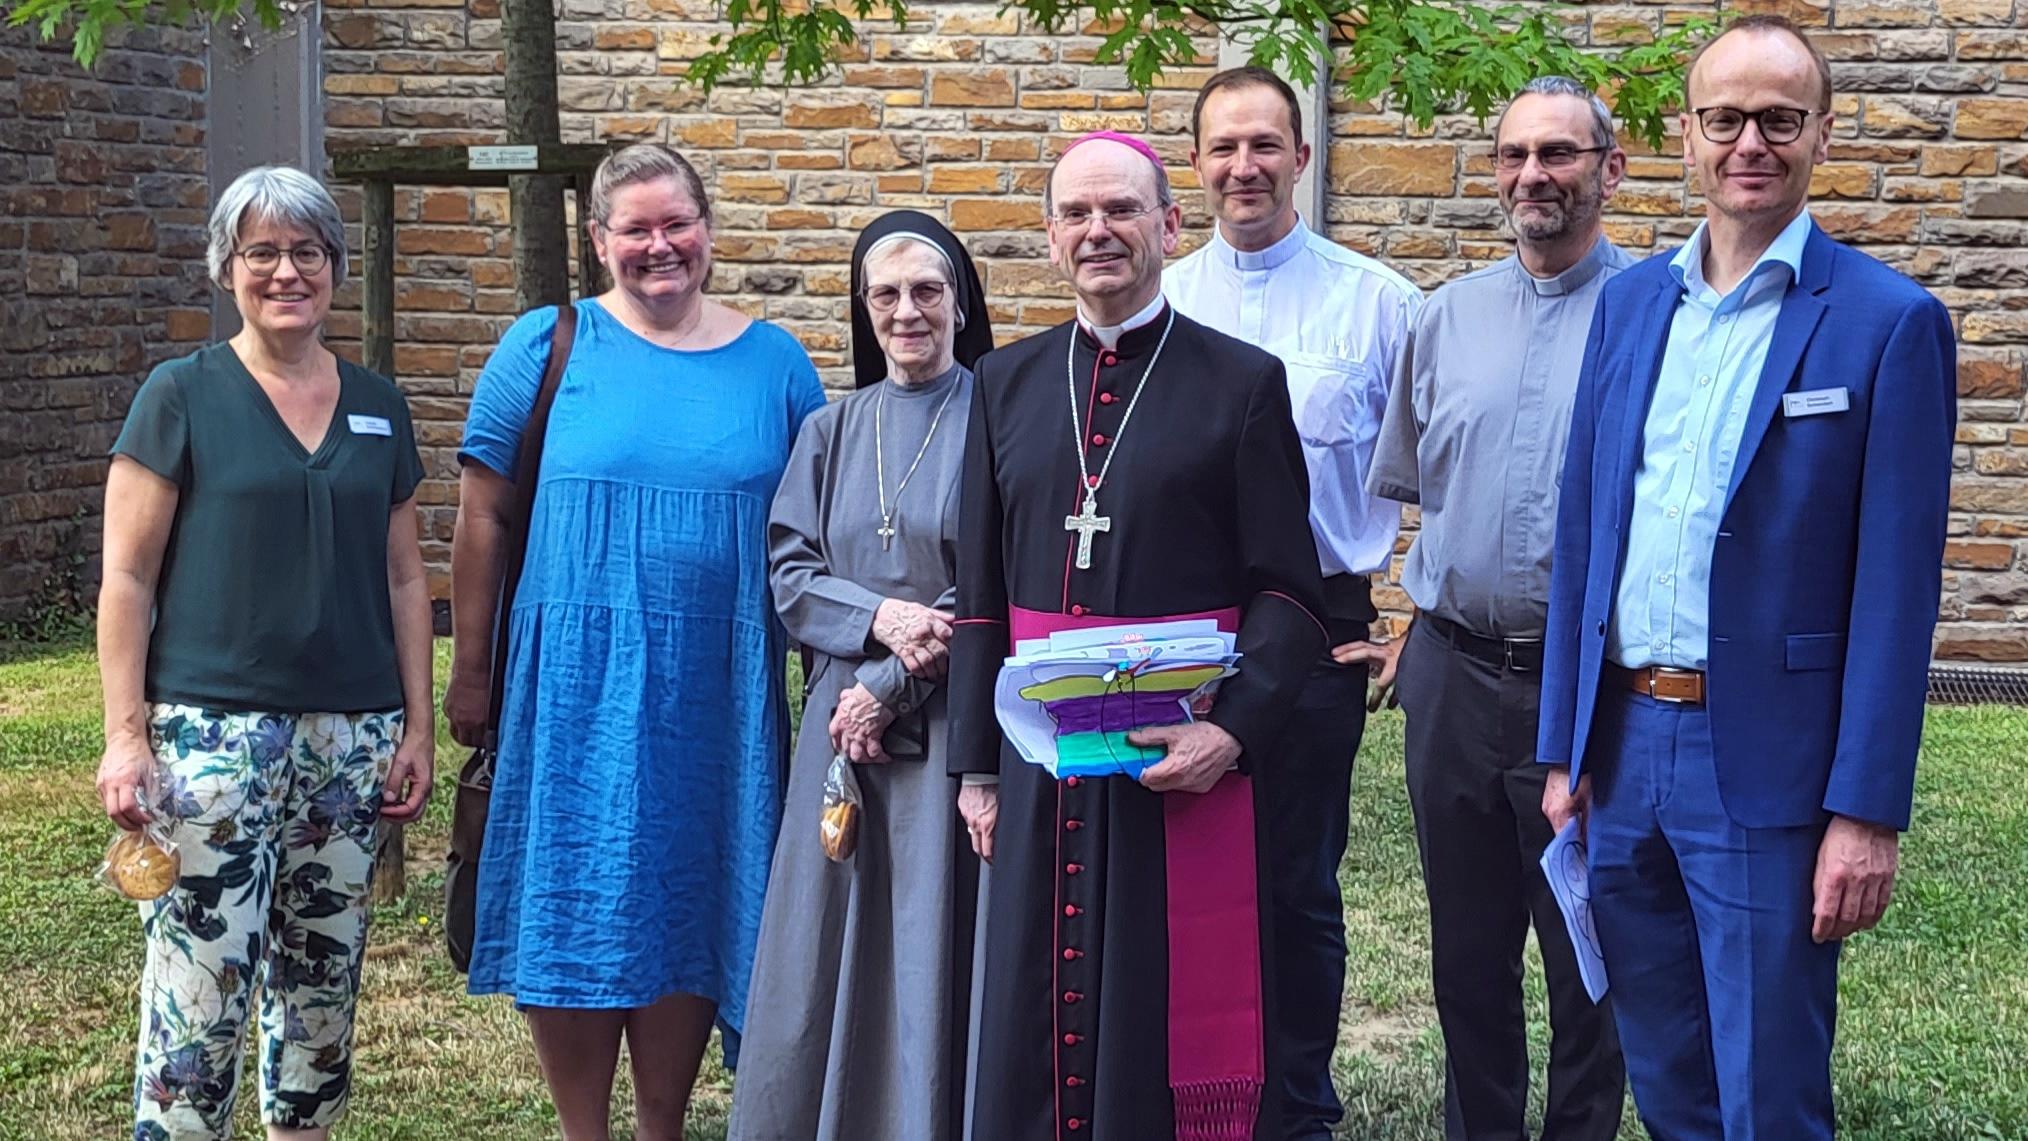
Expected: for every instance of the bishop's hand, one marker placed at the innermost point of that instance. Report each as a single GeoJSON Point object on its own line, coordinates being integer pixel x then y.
{"type": "Point", "coordinates": [979, 804]}
{"type": "Point", "coordinates": [919, 635]}
{"type": "Point", "coordinates": [1199, 753]}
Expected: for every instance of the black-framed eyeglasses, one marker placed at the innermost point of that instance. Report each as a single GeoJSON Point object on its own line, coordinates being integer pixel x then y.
{"type": "Point", "coordinates": [925, 295]}
{"type": "Point", "coordinates": [1776, 124]}
{"type": "Point", "coordinates": [1555, 156]}
{"type": "Point", "coordinates": [263, 261]}
{"type": "Point", "coordinates": [1077, 217]}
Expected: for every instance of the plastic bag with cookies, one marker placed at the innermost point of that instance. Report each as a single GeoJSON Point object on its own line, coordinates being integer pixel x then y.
{"type": "Point", "coordinates": [839, 825]}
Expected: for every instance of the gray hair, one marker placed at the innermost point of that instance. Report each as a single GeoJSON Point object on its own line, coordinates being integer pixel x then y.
{"type": "Point", "coordinates": [893, 240]}
{"type": "Point", "coordinates": [280, 194]}
{"type": "Point", "coordinates": [644, 162]}
{"type": "Point", "coordinates": [1601, 115]}
{"type": "Point", "coordinates": [1163, 195]}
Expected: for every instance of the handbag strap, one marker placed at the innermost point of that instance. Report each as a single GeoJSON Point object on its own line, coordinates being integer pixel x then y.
{"type": "Point", "coordinates": [527, 470]}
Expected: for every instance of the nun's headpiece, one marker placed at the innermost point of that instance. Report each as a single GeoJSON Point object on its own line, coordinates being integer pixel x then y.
{"type": "Point", "coordinates": [972, 330]}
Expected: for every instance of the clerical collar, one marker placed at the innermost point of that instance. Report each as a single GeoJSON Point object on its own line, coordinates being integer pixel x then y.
{"type": "Point", "coordinates": [1109, 335]}
{"type": "Point", "coordinates": [1570, 280]}
{"type": "Point", "coordinates": [1232, 257]}
{"type": "Point", "coordinates": [930, 387]}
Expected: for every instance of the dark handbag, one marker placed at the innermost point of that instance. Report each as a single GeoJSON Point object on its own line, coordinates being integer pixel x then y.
{"type": "Point", "coordinates": [475, 779]}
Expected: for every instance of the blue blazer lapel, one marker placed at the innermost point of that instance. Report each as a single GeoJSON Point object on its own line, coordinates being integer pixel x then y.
{"type": "Point", "coordinates": [1654, 338]}
{"type": "Point", "coordinates": [1802, 309]}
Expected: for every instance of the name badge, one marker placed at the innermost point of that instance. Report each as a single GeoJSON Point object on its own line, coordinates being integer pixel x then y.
{"type": "Point", "coordinates": [1815, 402]}
{"type": "Point", "coordinates": [378, 425]}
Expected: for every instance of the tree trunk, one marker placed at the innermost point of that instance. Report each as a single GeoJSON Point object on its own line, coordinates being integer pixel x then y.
{"type": "Point", "coordinates": [541, 236]}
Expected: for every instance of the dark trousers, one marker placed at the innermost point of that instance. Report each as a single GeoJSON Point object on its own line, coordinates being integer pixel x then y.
{"type": "Point", "coordinates": [1310, 792]}
{"type": "Point", "coordinates": [1726, 1006]}
{"type": "Point", "coordinates": [1477, 796]}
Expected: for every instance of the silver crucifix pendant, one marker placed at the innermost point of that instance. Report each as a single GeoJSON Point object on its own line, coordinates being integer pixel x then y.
{"type": "Point", "coordinates": [1087, 523]}
{"type": "Point", "coordinates": [886, 534]}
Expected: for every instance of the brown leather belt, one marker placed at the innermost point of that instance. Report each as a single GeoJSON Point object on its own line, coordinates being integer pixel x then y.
{"type": "Point", "coordinates": [1683, 687]}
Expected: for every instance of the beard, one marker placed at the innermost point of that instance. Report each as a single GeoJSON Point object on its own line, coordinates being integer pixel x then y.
{"type": "Point", "coordinates": [1565, 214]}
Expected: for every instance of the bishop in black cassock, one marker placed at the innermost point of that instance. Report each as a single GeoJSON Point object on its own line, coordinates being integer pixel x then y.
{"type": "Point", "coordinates": [1123, 997]}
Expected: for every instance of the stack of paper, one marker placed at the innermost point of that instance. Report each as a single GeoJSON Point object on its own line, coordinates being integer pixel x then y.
{"type": "Point", "coordinates": [1067, 702]}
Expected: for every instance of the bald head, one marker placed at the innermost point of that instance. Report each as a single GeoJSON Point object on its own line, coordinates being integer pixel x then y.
{"type": "Point", "coordinates": [1763, 44]}
{"type": "Point", "coordinates": [1129, 167]}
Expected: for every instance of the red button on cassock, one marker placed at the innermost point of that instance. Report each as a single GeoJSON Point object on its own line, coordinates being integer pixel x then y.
{"type": "Point", "coordinates": [1098, 439]}
{"type": "Point", "coordinates": [1109, 358]}
{"type": "Point", "coordinates": [1072, 996]}
{"type": "Point", "coordinates": [1074, 1124]}
{"type": "Point", "coordinates": [1107, 398]}
{"type": "Point", "coordinates": [1072, 825]}
{"type": "Point", "coordinates": [1072, 910]}
{"type": "Point", "coordinates": [1071, 954]}
{"type": "Point", "coordinates": [1077, 611]}
{"type": "Point", "coordinates": [1072, 782]}
{"type": "Point", "coordinates": [1072, 869]}
{"type": "Point", "coordinates": [1072, 1039]}
{"type": "Point", "coordinates": [1073, 1081]}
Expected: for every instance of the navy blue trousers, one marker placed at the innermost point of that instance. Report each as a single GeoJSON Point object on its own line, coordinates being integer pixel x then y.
{"type": "Point", "coordinates": [1726, 1008]}
{"type": "Point", "coordinates": [1309, 788]}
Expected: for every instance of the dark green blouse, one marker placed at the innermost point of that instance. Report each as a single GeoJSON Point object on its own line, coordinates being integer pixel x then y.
{"type": "Point", "coordinates": [273, 593]}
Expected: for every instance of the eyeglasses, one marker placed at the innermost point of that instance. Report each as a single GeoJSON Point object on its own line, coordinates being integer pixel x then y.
{"type": "Point", "coordinates": [263, 261]}
{"type": "Point", "coordinates": [1077, 217]}
{"type": "Point", "coordinates": [1777, 124]}
{"type": "Point", "coordinates": [925, 295]}
{"type": "Point", "coordinates": [1555, 156]}
{"type": "Point", "coordinates": [645, 235]}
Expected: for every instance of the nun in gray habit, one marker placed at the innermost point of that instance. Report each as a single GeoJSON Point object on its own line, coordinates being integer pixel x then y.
{"type": "Point", "coordinates": [857, 1017]}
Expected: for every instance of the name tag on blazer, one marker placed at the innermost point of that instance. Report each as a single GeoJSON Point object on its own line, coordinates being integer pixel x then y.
{"type": "Point", "coordinates": [1815, 402]}
{"type": "Point", "coordinates": [379, 426]}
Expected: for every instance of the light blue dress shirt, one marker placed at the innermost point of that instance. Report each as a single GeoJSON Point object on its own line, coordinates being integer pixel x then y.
{"type": "Point", "coordinates": [1339, 321]}
{"type": "Point", "coordinates": [1690, 447]}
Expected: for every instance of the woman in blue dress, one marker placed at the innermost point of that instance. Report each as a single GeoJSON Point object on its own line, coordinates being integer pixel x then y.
{"type": "Point", "coordinates": [642, 735]}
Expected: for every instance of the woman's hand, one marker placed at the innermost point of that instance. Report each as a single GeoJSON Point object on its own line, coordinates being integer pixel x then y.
{"type": "Point", "coordinates": [124, 773]}
{"type": "Point", "coordinates": [411, 775]}
{"type": "Point", "coordinates": [466, 699]}
{"type": "Point", "coordinates": [856, 726]}
{"type": "Point", "coordinates": [919, 635]}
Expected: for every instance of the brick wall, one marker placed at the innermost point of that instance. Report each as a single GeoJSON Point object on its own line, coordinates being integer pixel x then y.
{"type": "Point", "coordinates": [958, 114]}
{"type": "Point", "coordinates": [101, 273]}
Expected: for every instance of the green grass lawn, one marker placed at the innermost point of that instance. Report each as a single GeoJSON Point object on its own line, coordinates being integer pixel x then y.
{"type": "Point", "coordinates": [1934, 1027]}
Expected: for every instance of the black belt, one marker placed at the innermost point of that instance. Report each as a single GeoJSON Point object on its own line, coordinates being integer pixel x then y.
{"type": "Point", "coordinates": [1522, 655]}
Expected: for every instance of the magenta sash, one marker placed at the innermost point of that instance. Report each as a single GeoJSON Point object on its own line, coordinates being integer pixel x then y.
{"type": "Point", "coordinates": [1216, 1020]}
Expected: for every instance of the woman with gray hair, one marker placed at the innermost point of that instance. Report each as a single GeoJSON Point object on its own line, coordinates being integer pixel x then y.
{"type": "Point", "coordinates": [264, 641]}
{"type": "Point", "coordinates": [642, 730]}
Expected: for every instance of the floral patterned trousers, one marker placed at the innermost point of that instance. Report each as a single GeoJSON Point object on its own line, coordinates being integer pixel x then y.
{"type": "Point", "coordinates": [274, 818]}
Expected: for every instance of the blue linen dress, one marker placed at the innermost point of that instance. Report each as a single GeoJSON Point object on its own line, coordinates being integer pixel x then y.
{"type": "Point", "coordinates": [643, 736]}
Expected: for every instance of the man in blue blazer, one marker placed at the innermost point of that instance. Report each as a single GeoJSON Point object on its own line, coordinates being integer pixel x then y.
{"type": "Point", "coordinates": [1742, 596]}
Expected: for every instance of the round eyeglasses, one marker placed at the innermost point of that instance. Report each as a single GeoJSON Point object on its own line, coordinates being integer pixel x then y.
{"type": "Point", "coordinates": [1776, 124]}
{"type": "Point", "coordinates": [262, 261]}
{"type": "Point", "coordinates": [925, 295]}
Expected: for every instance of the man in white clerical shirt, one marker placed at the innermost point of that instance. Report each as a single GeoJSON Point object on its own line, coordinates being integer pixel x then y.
{"type": "Point", "coordinates": [1338, 320]}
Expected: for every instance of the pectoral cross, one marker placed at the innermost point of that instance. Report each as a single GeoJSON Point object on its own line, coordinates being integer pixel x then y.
{"type": "Point", "coordinates": [886, 533]}
{"type": "Point", "coordinates": [1087, 523]}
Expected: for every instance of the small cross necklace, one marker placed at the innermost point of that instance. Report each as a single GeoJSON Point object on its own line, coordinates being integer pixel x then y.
{"type": "Point", "coordinates": [1089, 522]}
{"type": "Point", "coordinates": [886, 531]}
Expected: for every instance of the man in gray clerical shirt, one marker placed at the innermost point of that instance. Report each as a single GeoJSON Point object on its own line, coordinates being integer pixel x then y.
{"type": "Point", "coordinates": [1474, 433]}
